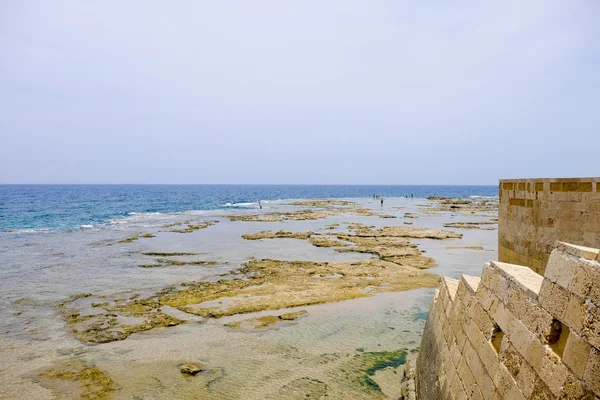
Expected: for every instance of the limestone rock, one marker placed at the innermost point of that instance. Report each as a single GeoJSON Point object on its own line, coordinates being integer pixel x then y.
{"type": "Point", "coordinates": [190, 369]}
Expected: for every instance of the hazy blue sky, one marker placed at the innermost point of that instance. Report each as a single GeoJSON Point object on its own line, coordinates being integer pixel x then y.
{"type": "Point", "coordinates": [406, 92]}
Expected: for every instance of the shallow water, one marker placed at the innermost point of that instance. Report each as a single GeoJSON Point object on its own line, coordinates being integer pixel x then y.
{"type": "Point", "coordinates": [313, 354]}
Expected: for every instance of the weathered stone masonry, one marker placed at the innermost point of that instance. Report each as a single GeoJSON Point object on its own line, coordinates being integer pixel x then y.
{"type": "Point", "coordinates": [534, 213]}
{"type": "Point", "coordinates": [514, 334]}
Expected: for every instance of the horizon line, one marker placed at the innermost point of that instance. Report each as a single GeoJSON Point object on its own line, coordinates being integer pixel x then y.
{"type": "Point", "coordinates": [243, 184]}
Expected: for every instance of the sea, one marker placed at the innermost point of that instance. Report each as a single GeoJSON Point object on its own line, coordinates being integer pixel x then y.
{"type": "Point", "coordinates": [41, 208]}
{"type": "Point", "coordinates": [93, 243]}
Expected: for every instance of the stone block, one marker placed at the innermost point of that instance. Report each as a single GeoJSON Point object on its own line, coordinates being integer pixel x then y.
{"type": "Point", "coordinates": [500, 316]}
{"type": "Point", "coordinates": [538, 321]}
{"type": "Point", "coordinates": [488, 357]}
{"type": "Point", "coordinates": [575, 313]}
{"type": "Point", "coordinates": [579, 251]}
{"type": "Point", "coordinates": [584, 273]}
{"type": "Point", "coordinates": [456, 386]}
{"type": "Point", "coordinates": [552, 372]}
{"type": "Point", "coordinates": [473, 361]}
{"type": "Point", "coordinates": [574, 389]}
{"type": "Point", "coordinates": [541, 391]}
{"type": "Point", "coordinates": [485, 297]}
{"type": "Point", "coordinates": [506, 385]}
{"type": "Point", "coordinates": [576, 354]}
{"type": "Point", "coordinates": [483, 320]}
{"type": "Point", "coordinates": [592, 371]}
{"type": "Point", "coordinates": [553, 299]}
{"type": "Point", "coordinates": [560, 268]}
{"type": "Point", "coordinates": [468, 382]}
{"type": "Point", "coordinates": [520, 336]}
{"type": "Point", "coordinates": [485, 383]}
{"type": "Point", "coordinates": [523, 277]}
{"type": "Point", "coordinates": [489, 276]}
{"type": "Point", "coordinates": [591, 325]}
{"type": "Point", "coordinates": [526, 379]}
{"type": "Point", "coordinates": [456, 354]}
{"type": "Point", "coordinates": [512, 360]}
{"type": "Point", "coordinates": [534, 354]}
{"type": "Point", "coordinates": [594, 293]}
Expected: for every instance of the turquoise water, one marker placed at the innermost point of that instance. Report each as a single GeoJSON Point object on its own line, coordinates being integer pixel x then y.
{"type": "Point", "coordinates": [50, 207]}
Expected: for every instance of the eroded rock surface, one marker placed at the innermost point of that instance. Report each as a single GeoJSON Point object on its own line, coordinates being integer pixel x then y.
{"type": "Point", "coordinates": [75, 379]}
{"type": "Point", "coordinates": [194, 227]}
{"type": "Point", "coordinates": [280, 234]}
{"type": "Point", "coordinates": [326, 241]}
{"type": "Point", "coordinates": [486, 225]}
{"type": "Point", "coordinates": [286, 216]}
{"type": "Point", "coordinates": [190, 369]}
{"type": "Point", "coordinates": [461, 206]}
{"type": "Point", "coordinates": [266, 321]}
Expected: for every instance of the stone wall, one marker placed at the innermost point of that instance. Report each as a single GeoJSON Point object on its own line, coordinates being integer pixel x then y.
{"type": "Point", "coordinates": [534, 213]}
{"type": "Point", "coordinates": [514, 334]}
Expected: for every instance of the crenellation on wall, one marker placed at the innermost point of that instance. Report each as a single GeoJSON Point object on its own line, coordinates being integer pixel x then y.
{"type": "Point", "coordinates": [534, 213]}
{"type": "Point", "coordinates": [515, 334]}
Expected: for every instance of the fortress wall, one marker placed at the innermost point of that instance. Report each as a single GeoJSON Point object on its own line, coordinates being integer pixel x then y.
{"type": "Point", "coordinates": [534, 213]}
{"type": "Point", "coordinates": [514, 334]}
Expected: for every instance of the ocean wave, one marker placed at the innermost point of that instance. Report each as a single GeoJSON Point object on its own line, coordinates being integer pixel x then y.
{"type": "Point", "coordinates": [241, 205]}
{"type": "Point", "coordinates": [484, 197]}
{"type": "Point", "coordinates": [27, 231]}
{"type": "Point", "coordinates": [137, 218]}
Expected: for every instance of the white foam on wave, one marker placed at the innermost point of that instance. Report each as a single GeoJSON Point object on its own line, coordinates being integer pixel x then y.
{"type": "Point", "coordinates": [484, 197]}
{"type": "Point", "coordinates": [139, 218]}
{"type": "Point", "coordinates": [243, 205]}
{"type": "Point", "coordinates": [27, 230]}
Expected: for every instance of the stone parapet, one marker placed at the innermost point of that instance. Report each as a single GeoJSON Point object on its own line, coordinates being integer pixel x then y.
{"type": "Point", "coordinates": [534, 213]}
{"type": "Point", "coordinates": [515, 334]}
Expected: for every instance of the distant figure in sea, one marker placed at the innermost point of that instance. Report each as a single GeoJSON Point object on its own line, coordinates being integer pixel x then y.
{"type": "Point", "coordinates": [382, 202]}
{"type": "Point", "coordinates": [260, 204]}
{"type": "Point", "coordinates": [411, 196]}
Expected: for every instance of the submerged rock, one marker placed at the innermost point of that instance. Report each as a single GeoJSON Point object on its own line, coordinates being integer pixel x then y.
{"type": "Point", "coordinates": [280, 234]}
{"type": "Point", "coordinates": [190, 369]}
{"type": "Point", "coordinates": [266, 321]}
{"type": "Point", "coordinates": [77, 379]}
{"type": "Point", "coordinates": [194, 227]}
{"type": "Point", "coordinates": [485, 225]}
{"type": "Point", "coordinates": [325, 241]}
{"type": "Point", "coordinates": [287, 216]}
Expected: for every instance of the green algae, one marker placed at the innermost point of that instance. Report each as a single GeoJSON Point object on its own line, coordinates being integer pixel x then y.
{"type": "Point", "coordinates": [277, 235]}
{"type": "Point", "coordinates": [302, 215]}
{"type": "Point", "coordinates": [77, 378]}
{"type": "Point", "coordinates": [371, 362]}
{"type": "Point", "coordinates": [168, 253]}
{"type": "Point", "coordinates": [324, 241]}
{"type": "Point", "coordinates": [129, 239]}
{"type": "Point", "coordinates": [178, 262]}
{"type": "Point", "coordinates": [194, 227]}
{"type": "Point", "coordinates": [136, 237]}
{"type": "Point", "coordinates": [104, 325]}
{"type": "Point", "coordinates": [267, 320]}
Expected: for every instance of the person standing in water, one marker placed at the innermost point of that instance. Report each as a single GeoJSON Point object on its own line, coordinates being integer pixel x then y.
{"type": "Point", "coordinates": [260, 204]}
{"type": "Point", "coordinates": [382, 202]}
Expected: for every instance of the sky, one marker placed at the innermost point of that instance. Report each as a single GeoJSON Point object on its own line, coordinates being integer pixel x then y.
{"type": "Point", "coordinates": [298, 92]}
